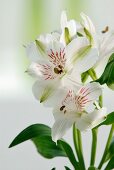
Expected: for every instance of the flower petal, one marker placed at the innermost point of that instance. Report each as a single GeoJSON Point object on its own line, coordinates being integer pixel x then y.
{"type": "Point", "coordinates": [87, 23]}
{"type": "Point", "coordinates": [42, 71]}
{"type": "Point", "coordinates": [32, 52]}
{"type": "Point", "coordinates": [42, 91]}
{"type": "Point", "coordinates": [63, 19]}
{"type": "Point", "coordinates": [91, 120]}
{"type": "Point", "coordinates": [74, 49]}
{"type": "Point", "coordinates": [60, 127]}
{"type": "Point", "coordinates": [87, 95]}
{"type": "Point", "coordinates": [86, 62]}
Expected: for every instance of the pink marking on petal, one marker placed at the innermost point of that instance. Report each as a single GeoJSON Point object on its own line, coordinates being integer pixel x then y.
{"type": "Point", "coordinates": [57, 57]}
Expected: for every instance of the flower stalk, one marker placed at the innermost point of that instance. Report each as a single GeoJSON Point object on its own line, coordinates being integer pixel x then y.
{"type": "Point", "coordinates": [78, 146]}
{"type": "Point", "coordinates": [94, 146]}
{"type": "Point", "coordinates": [106, 147]}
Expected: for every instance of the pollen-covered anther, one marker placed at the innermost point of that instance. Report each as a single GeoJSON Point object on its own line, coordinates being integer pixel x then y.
{"type": "Point", "coordinates": [106, 29]}
{"type": "Point", "coordinates": [62, 108]}
{"type": "Point", "coordinates": [59, 69]}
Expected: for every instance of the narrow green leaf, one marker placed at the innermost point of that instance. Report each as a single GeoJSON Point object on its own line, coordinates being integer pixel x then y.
{"type": "Point", "coordinates": [108, 75]}
{"type": "Point", "coordinates": [110, 164]}
{"type": "Point", "coordinates": [110, 152]}
{"type": "Point", "coordinates": [92, 168]}
{"type": "Point", "coordinates": [41, 136]}
{"type": "Point", "coordinates": [47, 148]}
{"type": "Point", "coordinates": [31, 132]}
{"type": "Point", "coordinates": [53, 169]}
{"type": "Point", "coordinates": [67, 168]}
{"type": "Point", "coordinates": [69, 152]}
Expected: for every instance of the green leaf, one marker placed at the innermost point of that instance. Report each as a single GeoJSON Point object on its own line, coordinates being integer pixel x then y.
{"type": "Point", "coordinates": [41, 136]}
{"type": "Point", "coordinates": [67, 168]}
{"type": "Point", "coordinates": [110, 152]}
{"type": "Point", "coordinates": [110, 164]}
{"type": "Point", "coordinates": [108, 75]}
{"type": "Point", "coordinates": [92, 168]}
{"type": "Point", "coordinates": [47, 148]}
{"type": "Point", "coordinates": [109, 120]}
{"type": "Point", "coordinates": [67, 36]}
{"type": "Point", "coordinates": [53, 169]}
{"type": "Point", "coordinates": [31, 132]}
{"type": "Point", "coordinates": [69, 152]}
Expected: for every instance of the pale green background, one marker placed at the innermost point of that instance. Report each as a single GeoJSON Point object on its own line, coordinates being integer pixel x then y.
{"type": "Point", "coordinates": [20, 22]}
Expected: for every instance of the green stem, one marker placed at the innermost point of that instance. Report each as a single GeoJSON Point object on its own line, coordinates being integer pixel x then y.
{"type": "Point", "coordinates": [94, 146]}
{"type": "Point", "coordinates": [106, 147]}
{"type": "Point", "coordinates": [78, 147]}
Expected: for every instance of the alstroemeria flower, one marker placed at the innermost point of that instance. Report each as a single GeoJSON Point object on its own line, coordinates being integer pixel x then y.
{"type": "Point", "coordinates": [103, 42]}
{"type": "Point", "coordinates": [54, 64]}
{"type": "Point", "coordinates": [71, 25]}
{"type": "Point", "coordinates": [72, 109]}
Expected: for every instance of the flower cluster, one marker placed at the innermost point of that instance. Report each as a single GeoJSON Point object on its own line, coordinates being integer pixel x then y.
{"type": "Point", "coordinates": [63, 63]}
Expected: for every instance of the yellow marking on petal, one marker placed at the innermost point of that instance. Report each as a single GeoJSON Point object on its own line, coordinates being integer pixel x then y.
{"type": "Point", "coordinates": [89, 36]}
{"type": "Point", "coordinates": [46, 93]}
{"type": "Point", "coordinates": [40, 47]}
{"type": "Point", "coordinates": [81, 53]}
{"type": "Point", "coordinates": [67, 36]}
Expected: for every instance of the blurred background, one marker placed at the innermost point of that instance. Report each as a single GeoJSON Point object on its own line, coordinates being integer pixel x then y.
{"type": "Point", "coordinates": [21, 21]}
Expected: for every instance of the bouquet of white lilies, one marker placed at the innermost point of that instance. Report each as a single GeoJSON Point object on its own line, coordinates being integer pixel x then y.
{"type": "Point", "coordinates": [70, 66]}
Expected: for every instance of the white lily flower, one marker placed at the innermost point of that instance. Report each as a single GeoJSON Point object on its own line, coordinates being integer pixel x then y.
{"type": "Point", "coordinates": [71, 25]}
{"type": "Point", "coordinates": [104, 43]}
{"type": "Point", "coordinates": [72, 109]}
{"type": "Point", "coordinates": [54, 64]}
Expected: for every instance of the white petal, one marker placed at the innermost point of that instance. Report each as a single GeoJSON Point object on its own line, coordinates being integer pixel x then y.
{"type": "Point", "coordinates": [73, 48]}
{"type": "Point", "coordinates": [63, 19]}
{"type": "Point", "coordinates": [60, 127]}
{"type": "Point", "coordinates": [88, 61]}
{"type": "Point", "coordinates": [88, 23]}
{"type": "Point", "coordinates": [42, 91]}
{"type": "Point", "coordinates": [106, 48]}
{"type": "Point", "coordinates": [91, 120]}
{"type": "Point", "coordinates": [87, 95]}
{"type": "Point", "coordinates": [56, 98]}
{"type": "Point", "coordinates": [71, 25]}
{"type": "Point", "coordinates": [42, 70]}
{"type": "Point", "coordinates": [32, 52]}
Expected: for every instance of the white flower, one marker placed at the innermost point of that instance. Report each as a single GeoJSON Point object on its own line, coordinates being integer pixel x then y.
{"type": "Point", "coordinates": [71, 25]}
{"type": "Point", "coordinates": [103, 42]}
{"type": "Point", "coordinates": [54, 64]}
{"type": "Point", "coordinates": [73, 109]}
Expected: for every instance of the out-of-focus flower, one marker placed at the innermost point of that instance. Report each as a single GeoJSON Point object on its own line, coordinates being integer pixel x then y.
{"type": "Point", "coordinates": [71, 25]}
{"type": "Point", "coordinates": [103, 42]}
{"type": "Point", "coordinates": [73, 109]}
{"type": "Point", "coordinates": [54, 64]}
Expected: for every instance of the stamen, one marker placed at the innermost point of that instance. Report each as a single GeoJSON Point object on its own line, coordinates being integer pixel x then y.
{"type": "Point", "coordinates": [61, 109]}
{"type": "Point", "coordinates": [105, 30]}
{"type": "Point", "coordinates": [59, 69]}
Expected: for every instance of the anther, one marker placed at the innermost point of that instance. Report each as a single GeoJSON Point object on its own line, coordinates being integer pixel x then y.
{"type": "Point", "coordinates": [105, 30]}
{"type": "Point", "coordinates": [61, 108]}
